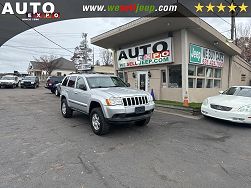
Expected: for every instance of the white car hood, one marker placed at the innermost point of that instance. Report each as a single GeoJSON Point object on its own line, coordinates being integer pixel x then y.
{"type": "Point", "coordinates": [6, 81]}
{"type": "Point", "coordinates": [230, 100]}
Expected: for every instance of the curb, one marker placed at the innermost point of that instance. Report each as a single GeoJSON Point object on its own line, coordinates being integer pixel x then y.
{"type": "Point", "coordinates": [178, 109]}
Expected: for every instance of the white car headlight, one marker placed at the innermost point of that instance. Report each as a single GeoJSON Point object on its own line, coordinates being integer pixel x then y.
{"type": "Point", "coordinates": [22, 82]}
{"type": "Point", "coordinates": [114, 101]}
{"type": "Point", "coordinates": [246, 108]}
{"type": "Point", "coordinates": [32, 82]}
{"type": "Point", "coordinates": [205, 102]}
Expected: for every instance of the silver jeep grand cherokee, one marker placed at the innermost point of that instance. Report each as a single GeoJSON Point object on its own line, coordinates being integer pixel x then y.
{"type": "Point", "coordinates": [106, 99]}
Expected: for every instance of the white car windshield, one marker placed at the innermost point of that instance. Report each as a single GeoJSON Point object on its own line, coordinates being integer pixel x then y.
{"type": "Point", "coordinates": [105, 82]}
{"type": "Point", "coordinates": [7, 78]}
{"type": "Point", "coordinates": [238, 91]}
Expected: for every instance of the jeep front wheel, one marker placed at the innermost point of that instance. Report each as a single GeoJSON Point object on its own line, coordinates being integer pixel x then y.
{"type": "Point", "coordinates": [142, 123]}
{"type": "Point", "coordinates": [98, 123]}
{"type": "Point", "coordinates": [65, 109]}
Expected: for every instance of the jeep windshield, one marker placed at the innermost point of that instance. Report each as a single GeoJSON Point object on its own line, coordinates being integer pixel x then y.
{"type": "Point", "coordinates": [105, 82]}
{"type": "Point", "coordinates": [7, 78]}
{"type": "Point", "coordinates": [29, 78]}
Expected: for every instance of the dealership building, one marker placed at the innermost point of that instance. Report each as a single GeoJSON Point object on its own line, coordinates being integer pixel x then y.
{"type": "Point", "coordinates": [175, 57]}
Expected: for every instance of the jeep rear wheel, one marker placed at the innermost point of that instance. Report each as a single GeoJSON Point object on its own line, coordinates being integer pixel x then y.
{"type": "Point", "coordinates": [65, 109]}
{"type": "Point", "coordinates": [98, 123]}
{"type": "Point", "coordinates": [142, 123]}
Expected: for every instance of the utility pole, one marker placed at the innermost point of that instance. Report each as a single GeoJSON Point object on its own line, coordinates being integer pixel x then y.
{"type": "Point", "coordinates": [233, 25]}
{"type": "Point", "coordinates": [233, 37]}
{"type": "Point", "coordinates": [93, 57]}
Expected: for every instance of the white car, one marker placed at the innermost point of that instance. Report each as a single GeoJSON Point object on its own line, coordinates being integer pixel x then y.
{"type": "Point", "coordinates": [9, 81]}
{"type": "Point", "coordinates": [234, 105]}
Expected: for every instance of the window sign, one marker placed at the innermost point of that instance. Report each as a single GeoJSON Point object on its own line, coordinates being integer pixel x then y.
{"type": "Point", "coordinates": [205, 56]}
{"type": "Point", "coordinates": [152, 53]}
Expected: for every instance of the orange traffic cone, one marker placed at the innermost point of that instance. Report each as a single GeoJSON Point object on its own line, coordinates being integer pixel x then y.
{"type": "Point", "coordinates": [186, 101]}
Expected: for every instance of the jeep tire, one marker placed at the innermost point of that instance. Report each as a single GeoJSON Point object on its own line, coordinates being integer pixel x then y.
{"type": "Point", "coordinates": [98, 123]}
{"type": "Point", "coordinates": [65, 109]}
{"type": "Point", "coordinates": [142, 123]}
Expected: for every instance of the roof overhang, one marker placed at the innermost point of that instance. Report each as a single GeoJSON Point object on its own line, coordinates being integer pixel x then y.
{"type": "Point", "coordinates": [147, 27]}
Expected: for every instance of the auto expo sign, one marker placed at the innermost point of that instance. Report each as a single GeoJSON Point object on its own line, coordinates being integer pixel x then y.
{"type": "Point", "coordinates": [157, 52]}
{"type": "Point", "coordinates": [205, 56]}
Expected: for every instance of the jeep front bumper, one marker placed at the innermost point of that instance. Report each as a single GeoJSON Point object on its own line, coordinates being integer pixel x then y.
{"type": "Point", "coordinates": [127, 113]}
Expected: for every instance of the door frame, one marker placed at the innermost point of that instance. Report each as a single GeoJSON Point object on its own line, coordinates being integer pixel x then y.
{"type": "Point", "coordinates": [138, 79]}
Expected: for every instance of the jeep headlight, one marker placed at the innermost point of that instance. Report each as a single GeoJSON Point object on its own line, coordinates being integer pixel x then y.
{"type": "Point", "coordinates": [205, 102]}
{"type": "Point", "coordinates": [246, 108]}
{"type": "Point", "coordinates": [114, 101]}
{"type": "Point", "coordinates": [22, 82]}
{"type": "Point", "coordinates": [32, 82]}
{"type": "Point", "coordinates": [149, 98]}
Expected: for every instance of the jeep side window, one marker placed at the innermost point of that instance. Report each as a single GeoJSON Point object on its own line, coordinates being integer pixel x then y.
{"type": "Point", "coordinates": [80, 81]}
{"type": "Point", "coordinates": [65, 81]}
{"type": "Point", "coordinates": [72, 81]}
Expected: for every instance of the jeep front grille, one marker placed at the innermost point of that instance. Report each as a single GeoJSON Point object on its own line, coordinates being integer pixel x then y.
{"type": "Point", "coordinates": [133, 101]}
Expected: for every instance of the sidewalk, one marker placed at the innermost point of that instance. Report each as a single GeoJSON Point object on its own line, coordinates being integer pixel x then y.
{"type": "Point", "coordinates": [178, 109]}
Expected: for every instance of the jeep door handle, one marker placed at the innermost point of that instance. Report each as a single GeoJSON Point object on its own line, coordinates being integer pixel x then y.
{"type": "Point", "coordinates": [75, 92]}
{"type": "Point", "coordinates": [66, 90]}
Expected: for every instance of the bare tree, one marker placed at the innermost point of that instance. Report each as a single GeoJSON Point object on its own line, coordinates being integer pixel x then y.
{"type": "Point", "coordinates": [106, 57]}
{"type": "Point", "coordinates": [243, 40]}
{"type": "Point", "coordinates": [46, 63]}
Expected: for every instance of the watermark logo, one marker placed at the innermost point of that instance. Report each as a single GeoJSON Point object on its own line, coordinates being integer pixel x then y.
{"type": "Point", "coordinates": [32, 10]}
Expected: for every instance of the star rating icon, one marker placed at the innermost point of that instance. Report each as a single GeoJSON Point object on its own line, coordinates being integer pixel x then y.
{"type": "Point", "coordinates": [221, 7]}
{"type": "Point", "coordinates": [199, 7]}
{"type": "Point", "coordinates": [232, 7]}
{"type": "Point", "coordinates": [243, 7]}
{"type": "Point", "coordinates": [210, 7]}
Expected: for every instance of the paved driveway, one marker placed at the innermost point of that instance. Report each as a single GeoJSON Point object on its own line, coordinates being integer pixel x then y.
{"type": "Point", "coordinates": [39, 148]}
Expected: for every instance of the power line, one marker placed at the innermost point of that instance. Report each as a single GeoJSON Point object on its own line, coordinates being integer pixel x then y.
{"type": "Point", "coordinates": [41, 47]}
{"type": "Point", "coordinates": [40, 32]}
{"type": "Point", "coordinates": [34, 52]}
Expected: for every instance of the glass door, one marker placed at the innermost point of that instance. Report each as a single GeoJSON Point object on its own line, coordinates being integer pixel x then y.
{"type": "Point", "coordinates": [142, 80]}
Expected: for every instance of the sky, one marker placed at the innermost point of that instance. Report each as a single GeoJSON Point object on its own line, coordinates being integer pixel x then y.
{"type": "Point", "coordinates": [17, 52]}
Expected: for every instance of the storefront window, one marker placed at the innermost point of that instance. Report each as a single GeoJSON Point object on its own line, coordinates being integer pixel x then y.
{"type": "Point", "coordinates": [203, 77]}
{"type": "Point", "coordinates": [191, 70]}
{"type": "Point", "coordinates": [123, 76]}
{"type": "Point", "coordinates": [191, 82]}
{"type": "Point", "coordinates": [209, 83]}
{"type": "Point", "coordinates": [217, 73]}
{"type": "Point", "coordinates": [200, 71]}
{"type": "Point", "coordinates": [163, 76]}
{"type": "Point", "coordinates": [217, 84]}
{"type": "Point", "coordinates": [209, 72]}
{"type": "Point", "coordinates": [175, 79]}
{"type": "Point", "coordinates": [200, 83]}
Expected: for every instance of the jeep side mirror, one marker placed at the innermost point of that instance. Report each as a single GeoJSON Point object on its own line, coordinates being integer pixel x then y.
{"type": "Point", "coordinates": [221, 92]}
{"type": "Point", "coordinates": [128, 84]}
{"type": "Point", "coordinates": [83, 87]}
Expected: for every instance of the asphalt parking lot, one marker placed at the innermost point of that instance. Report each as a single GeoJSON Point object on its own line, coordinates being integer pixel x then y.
{"type": "Point", "coordinates": [39, 148]}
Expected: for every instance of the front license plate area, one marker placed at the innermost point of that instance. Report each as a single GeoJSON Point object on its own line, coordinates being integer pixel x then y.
{"type": "Point", "coordinates": [140, 110]}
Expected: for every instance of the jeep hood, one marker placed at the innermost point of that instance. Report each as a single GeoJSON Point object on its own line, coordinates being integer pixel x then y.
{"type": "Point", "coordinates": [119, 92]}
